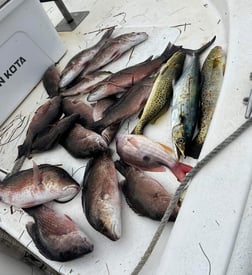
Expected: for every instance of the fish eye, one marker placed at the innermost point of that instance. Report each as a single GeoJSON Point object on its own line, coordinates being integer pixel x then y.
{"type": "Point", "coordinates": [181, 141]}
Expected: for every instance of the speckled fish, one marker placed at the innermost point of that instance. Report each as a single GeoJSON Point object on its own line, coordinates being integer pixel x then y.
{"type": "Point", "coordinates": [143, 153]}
{"type": "Point", "coordinates": [114, 49]}
{"type": "Point", "coordinates": [185, 104]}
{"type": "Point", "coordinates": [51, 79]}
{"type": "Point", "coordinates": [101, 199]}
{"type": "Point", "coordinates": [122, 80]}
{"type": "Point", "coordinates": [108, 133]}
{"type": "Point", "coordinates": [46, 114]}
{"type": "Point", "coordinates": [49, 138]}
{"type": "Point", "coordinates": [86, 84]}
{"type": "Point", "coordinates": [212, 76]}
{"type": "Point", "coordinates": [161, 94]}
{"type": "Point", "coordinates": [78, 62]}
{"type": "Point", "coordinates": [56, 236]}
{"type": "Point", "coordinates": [78, 106]}
{"type": "Point", "coordinates": [38, 185]}
{"type": "Point", "coordinates": [145, 195]}
{"type": "Point", "coordinates": [130, 103]}
{"type": "Point", "coordinates": [81, 142]}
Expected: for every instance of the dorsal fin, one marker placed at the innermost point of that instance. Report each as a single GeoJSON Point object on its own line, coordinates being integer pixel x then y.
{"type": "Point", "coordinates": [37, 178]}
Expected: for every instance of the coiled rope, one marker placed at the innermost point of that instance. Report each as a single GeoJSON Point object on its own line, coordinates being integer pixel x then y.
{"type": "Point", "coordinates": [182, 187]}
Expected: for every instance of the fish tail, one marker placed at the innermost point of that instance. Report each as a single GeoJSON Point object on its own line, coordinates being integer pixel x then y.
{"type": "Point", "coordinates": [23, 150]}
{"type": "Point", "coordinates": [194, 150]}
{"type": "Point", "coordinates": [108, 33]}
{"type": "Point", "coordinates": [121, 166]}
{"type": "Point", "coordinates": [96, 127]}
{"type": "Point", "coordinates": [169, 51]}
{"type": "Point", "coordinates": [180, 170]}
{"type": "Point", "coordinates": [201, 49]}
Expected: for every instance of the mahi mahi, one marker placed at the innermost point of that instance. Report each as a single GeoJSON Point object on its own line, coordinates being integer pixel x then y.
{"type": "Point", "coordinates": [185, 104]}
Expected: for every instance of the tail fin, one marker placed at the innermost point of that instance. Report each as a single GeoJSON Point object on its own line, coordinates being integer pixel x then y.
{"type": "Point", "coordinates": [201, 49]}
{"type": "Point", "coordinates": [180, 170]}
{"type": "Point", "coordinates": [96, 127]}
{"type": "Point", "coordinates": [23, 150]}
{"type": "Point", "coordinates": [194, 150]}
{"type": "Point", "coordinates": [169, 51]}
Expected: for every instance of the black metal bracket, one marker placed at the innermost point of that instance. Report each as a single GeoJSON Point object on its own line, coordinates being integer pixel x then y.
{"type": "Point", "coordinates": [70, 20]}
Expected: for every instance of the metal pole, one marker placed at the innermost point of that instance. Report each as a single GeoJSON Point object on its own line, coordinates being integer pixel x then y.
{"type": "Point", "coordinates": [67, 15]}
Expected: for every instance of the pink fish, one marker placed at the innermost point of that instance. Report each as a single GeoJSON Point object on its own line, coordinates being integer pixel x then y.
{"type": "Point", "coordinates": [56, 236]}
{"type": "Point", "coordinates": [142, 152]}
{"type": "Point", "coordinates": [38, 185]}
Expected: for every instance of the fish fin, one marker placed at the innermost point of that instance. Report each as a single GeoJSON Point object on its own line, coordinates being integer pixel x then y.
{"type": "Point", "coordinates": [33, 232]}
{"type": "Point", "coordinates": [148, 59]}
{"type": "Point", "coordinates": [160, 168]}
{"type": "Point", "coordinates": [167, 148]}
{"type": "Point", "coordinates": [169, 51]}
{"type": "Point", "coordinates": [96, 126]}
{"type": "Point", "coordinates": [37, 177]}
{"type": "Point", "coordinates": [121, 184]}
{"type": "Point", "coordinates": [68, 217]}
{"type": "Point", "coordinates": [194, 150]}
{"type": "Point", "coordinates": [140, 113]}
{"type": "Point", "coordinates": [24, 149]}
{"type": "Point", "coordinates": [201, 49]}
{"type": "Point", "coordinates": [180, 170]}
{"type": "Point", "coordinates": [87, 170]}
{"type": "Point", "coordinates": [108, 33]}
{"type": "Point", "coordinates": [31, 228]}
{"type": "Point", "coordinates": [131, 206]}
{"type": "Point", "coordinates": [116, 55]}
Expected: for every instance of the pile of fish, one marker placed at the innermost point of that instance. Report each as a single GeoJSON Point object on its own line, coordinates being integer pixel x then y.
{"type": "Point", "coordinates": [86, 108]}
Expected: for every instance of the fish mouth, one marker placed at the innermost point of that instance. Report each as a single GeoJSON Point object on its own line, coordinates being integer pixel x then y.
{"type": "Point", "coordinates": [179, 151]}
{"type": "Point", "coordinates": [72, 191]}
{"type": "Point", "coordinates": [114, 232]}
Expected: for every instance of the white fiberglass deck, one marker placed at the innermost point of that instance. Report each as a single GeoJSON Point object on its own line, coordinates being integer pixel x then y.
{"type": "Point", "coordinates": [213, 207]}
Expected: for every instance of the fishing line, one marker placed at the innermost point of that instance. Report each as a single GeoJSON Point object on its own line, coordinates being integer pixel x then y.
{"type": "Point", "coordinates": [182, 187]}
